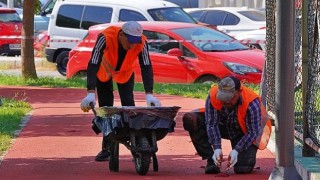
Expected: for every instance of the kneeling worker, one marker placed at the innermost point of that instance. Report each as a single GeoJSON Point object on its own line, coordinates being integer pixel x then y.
{"type": "Point", "coordinates": [232, 111]}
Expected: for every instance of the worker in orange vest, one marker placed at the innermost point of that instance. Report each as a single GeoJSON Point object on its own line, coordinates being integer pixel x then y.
{"type": "Point", "coordinates": [232, 111]}
{"type": "Point", "coordinates": [113, 59]}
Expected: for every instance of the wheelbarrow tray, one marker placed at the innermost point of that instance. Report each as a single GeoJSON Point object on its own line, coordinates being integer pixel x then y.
{"type": "Point", "coordinates": [116, 121]}
{"type": "Point", "coordinates": [138, 128]}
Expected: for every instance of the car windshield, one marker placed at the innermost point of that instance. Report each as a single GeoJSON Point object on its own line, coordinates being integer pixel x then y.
{"type": "Point", "coordinates": [175, 14]}
{"type": "Point", "coordinates": [209, 40]}
{"type": "Point", "coordinates": [254, 15]}
{"type": "Point", "coordinates": [9, 17]}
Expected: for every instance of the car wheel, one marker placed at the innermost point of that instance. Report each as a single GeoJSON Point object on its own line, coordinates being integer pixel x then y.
{"type": "Point", "coordinates": [208, 79]}
{"type": "Point", "coordinates": [62, 61]}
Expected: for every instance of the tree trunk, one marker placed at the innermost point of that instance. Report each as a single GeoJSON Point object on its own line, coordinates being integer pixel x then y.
{"type": "Point", "coordinates": [27, 51]}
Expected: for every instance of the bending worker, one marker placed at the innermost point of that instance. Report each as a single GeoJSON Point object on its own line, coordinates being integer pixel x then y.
{"type": "Point", "coordinates": [232, 111]}
{"type": "Point", "coordinates": [113, 59]}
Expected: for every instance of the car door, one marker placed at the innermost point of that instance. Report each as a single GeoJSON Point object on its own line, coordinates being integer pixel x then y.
{"type": "Point", "coordinates": [166, 69]}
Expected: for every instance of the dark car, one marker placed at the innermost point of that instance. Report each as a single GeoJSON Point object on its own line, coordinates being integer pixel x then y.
{"type": "Point", "coordinates": [10, 32]}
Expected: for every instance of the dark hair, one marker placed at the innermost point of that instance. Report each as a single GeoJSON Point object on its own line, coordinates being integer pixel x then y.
{"type": "Point", "coordinates": [236, 82]}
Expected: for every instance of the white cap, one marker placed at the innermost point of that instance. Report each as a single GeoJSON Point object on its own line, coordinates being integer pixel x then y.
{"type": "Point", "coordinates": [133, 31]}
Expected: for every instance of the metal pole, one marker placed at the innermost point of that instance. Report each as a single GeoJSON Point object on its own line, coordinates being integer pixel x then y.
{"type": "Point", "coordinates": [284, 92]}
{"type": "Point", "coordinates": [10, 4]}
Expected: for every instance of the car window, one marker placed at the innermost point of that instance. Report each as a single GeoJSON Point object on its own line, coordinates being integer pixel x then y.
{"type": "Point", "coordinates": [187, 53]}
{"type": "Point", "coordinates": [207, 39]}
{"type": "Point", "coordinates": [175, 14]}
{"type": "Point", "coordinates": [231, 19]}
{"type": "Point", "coordinates": [185, 3]}
{"type": "Point", "coordinates": [48, 7]}
{"type": "Point", "coordinates": [69, 16]}
{"type": "Point", "coordinates": [162, 43]}
{"type": "Point", "coordinates": [9, 17]}
{"type": "Point", "coordinates": [215, 17]}
{"type": "Point", "coordinates": [197, 15]}
{"type": "Point", "coordinates": [254, 15]}
{"type": "Point", "coordinates": [90, 17]}
{"type": "Point", "coordinates": [129, 15]}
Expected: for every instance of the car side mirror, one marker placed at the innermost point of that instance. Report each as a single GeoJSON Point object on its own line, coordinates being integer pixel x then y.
{"type": "Point", "coordinates": [175, 52]}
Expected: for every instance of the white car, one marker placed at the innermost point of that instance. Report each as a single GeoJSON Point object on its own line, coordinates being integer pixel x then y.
{"type": "Point", "coordinates": [255, 38]}
{"type": "Point", "coordinates": [230, 20]}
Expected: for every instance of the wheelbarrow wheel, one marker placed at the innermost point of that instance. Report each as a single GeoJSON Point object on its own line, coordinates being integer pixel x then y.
{"type": "Point", "coordinates": [142, 159]}
{"type": "Point", "coordinates": [114, 157]}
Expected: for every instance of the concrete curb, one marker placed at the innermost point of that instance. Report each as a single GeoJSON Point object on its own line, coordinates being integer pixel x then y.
{"type": "Point", "coordinates": [307, 167]}
{"type": "Point", "coordinates": [7, 62]}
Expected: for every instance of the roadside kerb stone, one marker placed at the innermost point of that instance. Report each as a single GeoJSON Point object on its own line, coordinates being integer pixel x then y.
{"type": "Point", "coordinates": [7, 62]}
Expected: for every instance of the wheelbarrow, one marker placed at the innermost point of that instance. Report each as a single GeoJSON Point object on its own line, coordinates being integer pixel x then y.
{"type": "Point", "coordinates": [138, 129]}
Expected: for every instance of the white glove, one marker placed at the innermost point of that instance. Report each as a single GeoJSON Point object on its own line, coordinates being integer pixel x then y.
{"type": "Point", "coordinates": [233, 158]}
{"type": "Point", "coordinates": [152, 101]}
{"type": "Point", "coordinates": [217, 157]}
{"type": "Point", "coordinates": [85, 103]}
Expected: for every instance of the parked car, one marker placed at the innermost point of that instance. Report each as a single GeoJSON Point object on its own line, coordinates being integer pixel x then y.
{"type": "Point", "coordinates": [71, 19]}
{"type": "Point", "coordinates": [183, 53]}
{"type": "Point", "coordinates": [231, 20]}
{"type": "Point", "coordinates": [10, 32]}
{"type": "Point", "coordinates": [41, 20]}
{"type": "Point", "coordinates": [255, 38]}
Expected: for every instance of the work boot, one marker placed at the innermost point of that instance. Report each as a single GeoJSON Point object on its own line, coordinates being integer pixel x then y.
{"type": "Point", "coordinates": [103, 155]}
{"type": "Point", "coordinates": [211, 167]}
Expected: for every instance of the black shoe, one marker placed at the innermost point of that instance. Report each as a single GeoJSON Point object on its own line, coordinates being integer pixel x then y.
{"type": "Point", "coordinates": [103, 155]}
{"type": "Point", "coordinates": [211, 168]}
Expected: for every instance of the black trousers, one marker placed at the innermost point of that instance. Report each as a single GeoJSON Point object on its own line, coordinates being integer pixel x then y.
{"type": "Point", "coordinates": [106, 98]}
{"type": "Point", "coordinates": [194, 123]}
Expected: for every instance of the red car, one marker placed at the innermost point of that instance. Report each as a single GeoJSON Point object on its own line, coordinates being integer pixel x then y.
{"type": "Point", "coordinates": [183, 53]}
{"type": "Point", "coordinates": [10, 32]}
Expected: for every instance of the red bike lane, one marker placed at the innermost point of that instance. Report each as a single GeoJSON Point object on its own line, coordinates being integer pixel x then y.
{"type": "Point", "coordinates": [58, 143]}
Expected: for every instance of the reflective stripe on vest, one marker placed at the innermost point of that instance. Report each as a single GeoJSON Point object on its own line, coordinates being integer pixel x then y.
{"type": "Point", "coordinates": [247, 96]}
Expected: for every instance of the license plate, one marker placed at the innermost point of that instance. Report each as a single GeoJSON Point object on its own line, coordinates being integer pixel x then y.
{"type": "Point", "coordinates": [15, 46]}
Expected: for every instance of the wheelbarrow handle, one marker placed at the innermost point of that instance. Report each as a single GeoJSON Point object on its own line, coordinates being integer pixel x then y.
{"type": "Point", "coordinates": [92, 108]}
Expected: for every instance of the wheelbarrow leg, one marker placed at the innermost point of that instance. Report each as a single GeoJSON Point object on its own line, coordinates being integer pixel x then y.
{"type": "Point", "coordinates": [114, 157]}
{"type": "Point", "coordinates": [154, 156]}
{"type": "Point", "coordinates": [155, 162]}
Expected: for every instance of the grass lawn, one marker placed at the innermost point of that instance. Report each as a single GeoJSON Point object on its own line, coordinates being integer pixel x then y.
{"type": "Point", "coordinates": [11, 113]}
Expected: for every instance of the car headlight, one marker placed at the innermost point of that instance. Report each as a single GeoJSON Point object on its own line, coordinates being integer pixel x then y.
{"type": "Point", "coordinates": [240, 68]}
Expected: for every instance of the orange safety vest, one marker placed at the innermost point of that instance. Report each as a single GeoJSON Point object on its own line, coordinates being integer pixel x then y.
{"type": "Point", "coordinates": [110, 58]}
{"type": "Point", "coordinates": [248, 96]}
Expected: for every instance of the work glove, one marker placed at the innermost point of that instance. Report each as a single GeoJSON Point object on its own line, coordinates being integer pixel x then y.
{"type": "Point", "coordinates": [233, 158]}
{"type": "Point", "coordinates": [85, 103]}
{"type": "Point", "coordinates": [152, 101]}
{"type": "Point", "coordinates": [217, 157]}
